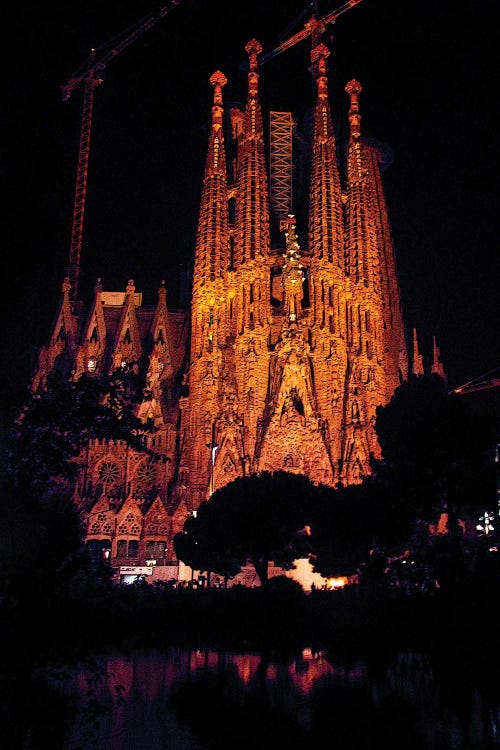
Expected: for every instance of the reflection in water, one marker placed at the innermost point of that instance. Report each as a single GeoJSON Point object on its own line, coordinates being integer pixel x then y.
{"type": "Point", "coordinates": [210, 700]}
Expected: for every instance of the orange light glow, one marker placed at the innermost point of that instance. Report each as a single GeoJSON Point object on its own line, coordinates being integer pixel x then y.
{"type": "Point", "coordinates": [337, 583]}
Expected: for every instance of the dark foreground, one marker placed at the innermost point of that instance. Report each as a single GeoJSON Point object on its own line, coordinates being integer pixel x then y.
{"type": "Point", "coordinates": [457, 630]}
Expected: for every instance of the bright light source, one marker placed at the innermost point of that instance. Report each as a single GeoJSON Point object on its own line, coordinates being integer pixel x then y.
{"type": "Point", "coordinates": [485, 526]}
{"type": "Point", "coordinates": [336, 583]}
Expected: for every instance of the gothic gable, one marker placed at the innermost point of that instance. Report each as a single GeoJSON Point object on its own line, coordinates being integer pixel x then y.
{"type": "Point", "coordinates": [127, 345]}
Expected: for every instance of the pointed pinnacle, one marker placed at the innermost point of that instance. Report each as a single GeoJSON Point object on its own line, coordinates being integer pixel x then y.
{"type": "Point", "coordinates": [253, 48]}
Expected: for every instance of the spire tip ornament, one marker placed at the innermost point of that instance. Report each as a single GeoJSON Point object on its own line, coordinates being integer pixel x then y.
{"type": "Point", "coordinates": [353, 89]}
{"type": "Point", "coordinates": [218, 78]}
{"type": "Point", "coordinates": [253, 49]}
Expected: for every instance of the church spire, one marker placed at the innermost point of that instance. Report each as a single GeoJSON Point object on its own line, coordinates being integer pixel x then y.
{"type": "Point", "coordinates": [212, 240]}
{"type": "Point", "coordinates": [325, 203]}
{"type": "Point", "coordinates": [252, 238]}
{"type": "Point", "coordinates": [362, 262]}
{"type": "Point", "coordinates": [369, 256]}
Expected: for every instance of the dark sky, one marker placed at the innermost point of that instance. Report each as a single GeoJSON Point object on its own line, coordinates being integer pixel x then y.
{"type": "Point", "coordinates": [429, 94]}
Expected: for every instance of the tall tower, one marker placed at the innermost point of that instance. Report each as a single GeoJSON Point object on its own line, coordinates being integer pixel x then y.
{"type": "Point", "coordinates": [250, 282]}
{"type": "Point", "coordinates": [327, 274]}
{"type": "Point", "coordinates": [376, 353]}
{"type": "Point", "coordinates": [209, 322]}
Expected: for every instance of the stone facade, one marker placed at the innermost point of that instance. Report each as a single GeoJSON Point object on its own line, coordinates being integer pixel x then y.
{"type": "Point", "coordinates": [283, 356]}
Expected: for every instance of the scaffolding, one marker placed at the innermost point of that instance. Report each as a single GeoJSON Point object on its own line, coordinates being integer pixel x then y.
{"type": "Point", "coordinates": [281, 129]}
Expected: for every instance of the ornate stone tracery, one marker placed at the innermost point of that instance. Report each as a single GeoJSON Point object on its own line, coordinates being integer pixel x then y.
{"type": "Point", "coordinates": [284, 354]}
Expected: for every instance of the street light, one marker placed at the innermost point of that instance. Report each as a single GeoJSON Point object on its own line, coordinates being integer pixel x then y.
{"type": "Point", "coordinates": [486, 526]}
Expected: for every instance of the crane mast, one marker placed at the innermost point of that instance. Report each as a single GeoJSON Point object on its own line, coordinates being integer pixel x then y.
{"type": "Point", "coordinates": [73, 268]}
{"type": "Point", "coordinates": [90, 74]}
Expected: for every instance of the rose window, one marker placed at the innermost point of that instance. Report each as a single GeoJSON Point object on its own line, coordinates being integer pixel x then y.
{"type": "Point", "coordinates": [108, 472]}
{"type": "Point", "coordinates": [146, 474]}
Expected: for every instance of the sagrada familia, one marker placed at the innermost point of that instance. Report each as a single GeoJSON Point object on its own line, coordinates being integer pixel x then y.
{"type": "Point", "coordinates": [284, 354]}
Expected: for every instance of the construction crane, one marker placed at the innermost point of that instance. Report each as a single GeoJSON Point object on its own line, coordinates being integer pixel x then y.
{"type": "Point", "coordinates": [314, 27]}
{"type": "Point", "coordinates": [90, 75]}
{"type": "Point", "coordinates": [482, 383]}
{"type": "Point", "coordinates": [281, 123]}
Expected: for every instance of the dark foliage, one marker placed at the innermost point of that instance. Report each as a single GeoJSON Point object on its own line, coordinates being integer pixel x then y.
{"type": "Point", "coordinates": [348, 522]}
{"type": "Point", "coordinates": [437, 451]}
{"type": "Point", "coordinates": [255, 519]}
{"type": "Point", "coordinates": [41, 547]}
{"type": "Point", "coordinates": [54, 425]}
{"type": "Point", "coordinates": [438, 455]}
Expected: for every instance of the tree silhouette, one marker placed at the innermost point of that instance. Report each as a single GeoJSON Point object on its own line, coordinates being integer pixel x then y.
{"type": "Point", "coordinates": [41, 531]}
{"type": "Point", "coordinates": [436, 450]}
{"type": "Point", "coordinates": [54, 425]}
{"type": "Point", "coordinates": [348, 523]}
{"type": "Point", "coordinates": [255, 519]}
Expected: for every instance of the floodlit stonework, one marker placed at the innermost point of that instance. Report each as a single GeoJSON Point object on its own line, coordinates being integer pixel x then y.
{"type": "Point", "coordinates": [283, 356]}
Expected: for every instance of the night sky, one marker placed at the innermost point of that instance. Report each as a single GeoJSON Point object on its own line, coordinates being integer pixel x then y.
{"type": "Point", "coordinates": [429, 96]}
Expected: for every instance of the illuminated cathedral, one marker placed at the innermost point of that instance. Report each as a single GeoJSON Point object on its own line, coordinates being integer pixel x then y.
{"type": "Point", "coordinates": [284, 354]}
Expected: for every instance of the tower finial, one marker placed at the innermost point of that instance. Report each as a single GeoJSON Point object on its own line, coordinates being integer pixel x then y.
{"type": "Point", "coordinates": [437, 365]}
{"type": "Point", "coordinates": [353, 89]}
{"type": "Point", "coordinates": [218, 80]}
{"type": "Point", "coordinates": [253, 48]}
{"type": "Point", "coordinates": [162, 291]}
{"type": "Point", "coordinates": [418, 360]}
{"type": "Point", "coordinates": [319, 55]}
